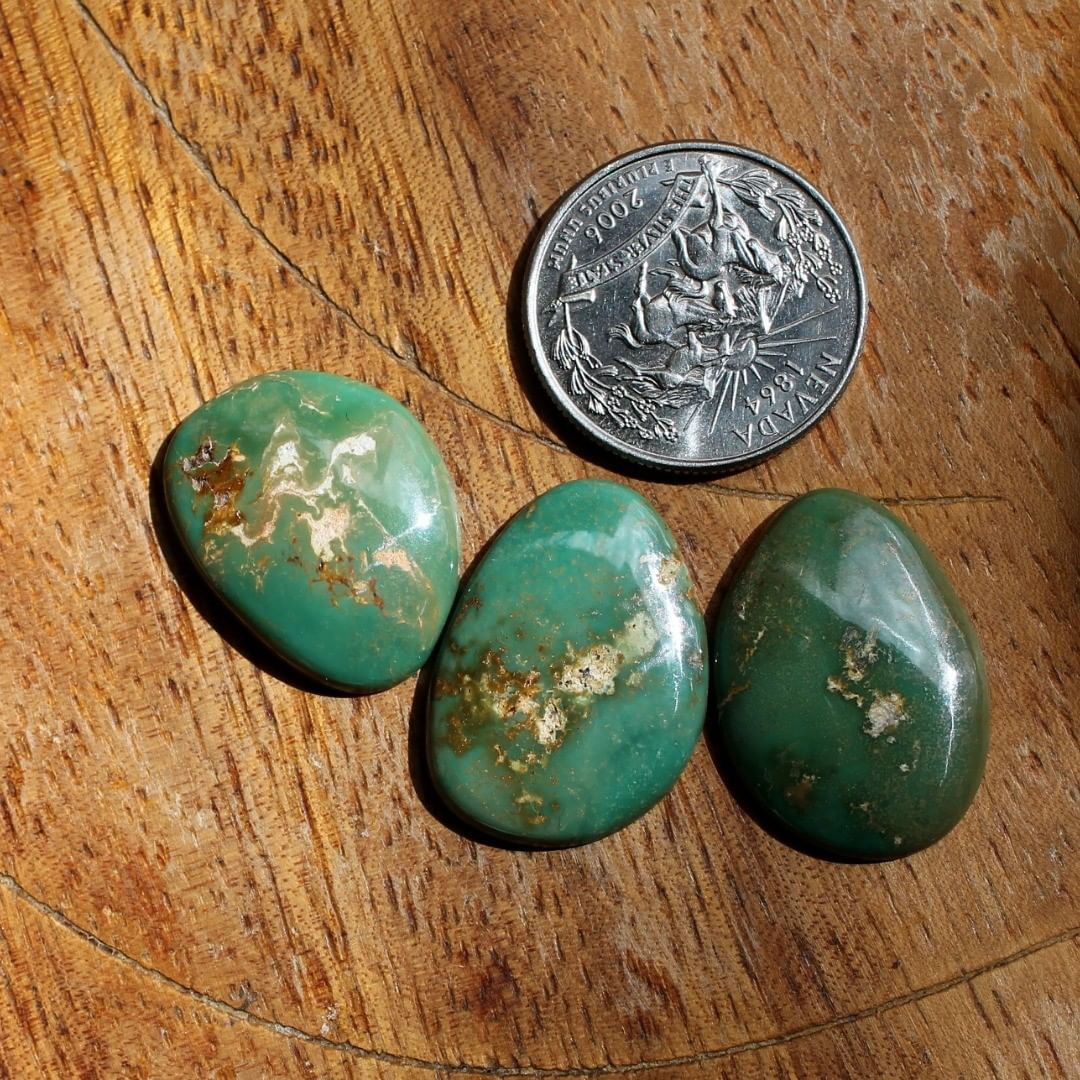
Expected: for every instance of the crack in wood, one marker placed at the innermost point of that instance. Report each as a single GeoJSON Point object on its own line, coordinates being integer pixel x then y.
{"type": "Point", "coordinates": [466, 1069]}
{"type": "Point", "coordinates": [202, 160]}
{"type": "Point", "coordinates": [411, 361]}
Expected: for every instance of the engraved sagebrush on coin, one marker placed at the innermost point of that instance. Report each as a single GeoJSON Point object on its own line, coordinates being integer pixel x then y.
{"type": "Point", "coordinates": [694, 305]}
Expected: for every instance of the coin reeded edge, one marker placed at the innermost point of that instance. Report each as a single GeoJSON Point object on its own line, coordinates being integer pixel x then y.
{"type": "Point", "coordinates": [562, 400]}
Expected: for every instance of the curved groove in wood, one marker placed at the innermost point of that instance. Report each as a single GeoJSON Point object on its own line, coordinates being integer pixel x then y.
{"type": "Point", "coordinates": [465, 1068]}
{"type": "Point", "coordinates": [202, 162]}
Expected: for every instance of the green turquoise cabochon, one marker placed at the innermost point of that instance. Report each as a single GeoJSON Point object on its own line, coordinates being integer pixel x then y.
{"type": "Point", "coordinates": [852, 699]}
{"type": "Point", "coordinates": [322, 513]}
{"type": "Point", "coordinates": [570, 688]}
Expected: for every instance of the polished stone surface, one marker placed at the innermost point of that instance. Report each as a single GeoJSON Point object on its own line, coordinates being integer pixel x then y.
{"type": "Point", "coordinates": [852, 699]}
{"type": "Point", "coordinates": [570, 688]}
{"type": "Point", "coordinates": [322, 513]}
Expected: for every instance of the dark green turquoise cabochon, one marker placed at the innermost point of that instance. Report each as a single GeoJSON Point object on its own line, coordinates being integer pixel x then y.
{"type": "Point", "coordinates": [852, 702]}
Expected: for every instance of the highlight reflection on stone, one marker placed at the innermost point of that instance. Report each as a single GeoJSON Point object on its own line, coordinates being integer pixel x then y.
{"type": "Point", "coordinates": [322, 513]}
{"type": "Point", "coordinates": [852, 700]}
{"type": "Point", "coordinates": [569, 691]}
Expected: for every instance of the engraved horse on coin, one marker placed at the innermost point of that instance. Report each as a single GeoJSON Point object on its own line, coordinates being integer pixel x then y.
{"type": "Point", "coordinates": [699, 327]}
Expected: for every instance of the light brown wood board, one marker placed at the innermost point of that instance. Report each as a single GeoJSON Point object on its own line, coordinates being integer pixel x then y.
{"type": "Point", "coordinates": [206, 871]}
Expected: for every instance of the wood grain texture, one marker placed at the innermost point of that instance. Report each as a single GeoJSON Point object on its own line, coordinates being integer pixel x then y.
{"type": "Point", "coordinates": [207, 870]}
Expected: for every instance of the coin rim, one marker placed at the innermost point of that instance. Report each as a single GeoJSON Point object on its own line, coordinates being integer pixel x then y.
{"type": "Point", "coordinates": [566, 404]}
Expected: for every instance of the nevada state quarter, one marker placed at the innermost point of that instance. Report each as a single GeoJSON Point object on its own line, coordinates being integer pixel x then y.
{"type": "Point", "coordinates": [694, 306]}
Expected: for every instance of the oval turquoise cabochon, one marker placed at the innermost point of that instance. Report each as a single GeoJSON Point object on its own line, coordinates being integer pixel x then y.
{"type": "Point", "coordinates": [852, 699]}
{"type": "Point", "coordinates": [322, 513]}
{"type": "Point", "coordinates": [570, 687]}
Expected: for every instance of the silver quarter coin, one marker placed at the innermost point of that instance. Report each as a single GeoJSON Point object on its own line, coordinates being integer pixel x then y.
{"type": "Point", "coordinates": [694, 306]}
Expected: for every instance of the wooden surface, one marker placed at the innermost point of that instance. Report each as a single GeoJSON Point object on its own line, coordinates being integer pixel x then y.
{"type": "Point", "coordinates": [207, 871]}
